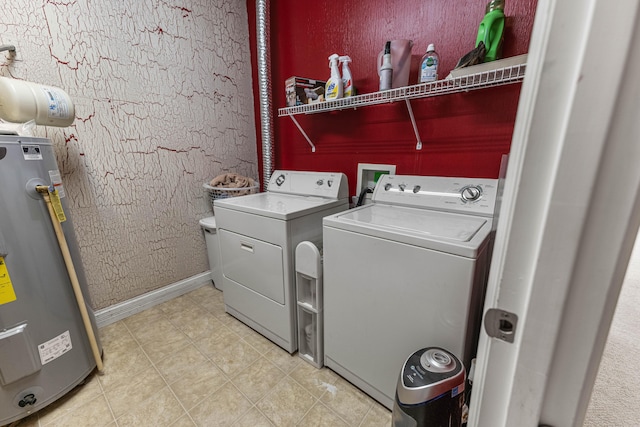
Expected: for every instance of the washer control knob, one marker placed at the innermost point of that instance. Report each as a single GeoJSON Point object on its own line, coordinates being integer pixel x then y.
{"type": "Point", "coordinates": [402, 187]}
{"type": "Point", "coordinates": [387, 187]}
{"type": "Point", "coordinates": [320, 181]}
{"type": "Point", "coordinates": [416, 189]}
{"type": "Point", "coordinates": [471, 193]}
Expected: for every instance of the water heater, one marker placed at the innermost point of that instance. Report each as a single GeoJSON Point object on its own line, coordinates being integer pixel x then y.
{"type": "Point", "coordinates": [44, 349]}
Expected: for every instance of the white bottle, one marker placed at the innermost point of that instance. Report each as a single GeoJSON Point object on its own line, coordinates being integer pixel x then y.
{"type": "Point", "coordinates": [22, 101]}
{"type": "Point", "coordinates": [333, 90]}
{"type": "Point", "coordinates": [386, 69]}
{"type": "Point", "coordinates": [429, 65]}
{"type": "Point", "coordinates": [347, 80]}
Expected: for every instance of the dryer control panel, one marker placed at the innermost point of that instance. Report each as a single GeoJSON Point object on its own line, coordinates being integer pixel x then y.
{"type": "Point", "coordinates": [464, 195]}
{"type": "Point", "coordinates": [332, 185]}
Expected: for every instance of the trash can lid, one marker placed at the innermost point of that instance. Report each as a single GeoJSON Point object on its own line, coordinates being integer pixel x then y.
{"type": "Point", "coordinates": [209, 223]}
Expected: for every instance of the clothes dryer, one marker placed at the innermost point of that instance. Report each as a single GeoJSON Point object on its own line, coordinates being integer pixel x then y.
{"type": "Point", "coordinates": [405, 272]}
{"type": "Point", "coordinates": [258, 236]}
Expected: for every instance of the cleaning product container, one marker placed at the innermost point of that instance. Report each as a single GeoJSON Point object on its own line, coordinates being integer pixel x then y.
{"type": "Point", "coordinates": [491, 30]}
{"type": "Point", "coordinates": [430, 390]}
{"type": "Point", "coordinates": [400, 61]}
{"type": "Point", "coordinates": [213, 249]}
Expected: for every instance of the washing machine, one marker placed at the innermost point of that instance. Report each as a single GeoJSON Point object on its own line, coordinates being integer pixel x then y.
{"type": "Point", "coordinates": [258, 237]}
{"type": "Point", "coordinates": [406, 272]}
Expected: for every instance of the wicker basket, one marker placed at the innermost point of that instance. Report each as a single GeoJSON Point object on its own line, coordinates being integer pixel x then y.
{"type": "Point", "coordinates": [223, 193]}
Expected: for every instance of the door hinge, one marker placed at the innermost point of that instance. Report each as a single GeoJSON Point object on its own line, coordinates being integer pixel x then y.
{"type": "Point", "coordinates": [500, 324]}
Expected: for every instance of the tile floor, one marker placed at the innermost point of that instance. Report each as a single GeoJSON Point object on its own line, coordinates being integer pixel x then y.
{"type": "Point", "coordinates": [188, 363]}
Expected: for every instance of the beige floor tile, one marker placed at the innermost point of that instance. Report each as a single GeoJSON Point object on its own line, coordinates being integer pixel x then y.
{"type": "Point", "coordinates": [93, 413]}
{"type": "Point", "coordinates": [234, 357]}
{"type": "Point", "coordinates": [221, 408]}
{"type": "Point", "coordinates": [347, 401]}
{"type": "Point", "coordinates": [315, 381]}
{"type": "Point", "coordinates": [198, 383]}
{"type": "Point", "coordinates": [321, 416]}
{"type": "Point", "coordinates": [158, 328]}
{"type": "Point", "coordinates": [77, 397]}
{"type": "Point", "coordinates": [134, 322]}
{"type": "Point", "coordinates": [114, 335]}
{"type": "Point", "coordinates": [159, 349]}
{"type": "Point", "coordinates": [224, 317]}
{"type": "Point", "coordinates": [218, 340]}
{"type": "Point", "coordinates": [124, 397]}
{"type": "Point", "coordinates": [287, 403]}
{"type": "Point", "coordinates": [282, 359]}
{"type": "Point", "coordinates": [122, 363]}
{"type": "Point", "coordinates": [184, 421]}
{"type": "Point", "coordinates": [177, 305]}
{"type": "Point", "coordinates": [180, 363]}
{"type": "Point", "coordinates": [253, 418]}
{"type": "Point", "coordinates": [240, 328]}
{"type": "Point", "coordinates": [257, 341]}
{"type": "Point", "coordinates": [196, 322]}
{"type": "Point", "coordinates": [160, 409]}
{"type": "Point", "coordinates": [213, 305]}
{"type": "Point", "coordinates": [378, 416]}
{"type": "Point", "coordinates": [256, 380]}
{"type": "Point", "coordinates": [205, 292]}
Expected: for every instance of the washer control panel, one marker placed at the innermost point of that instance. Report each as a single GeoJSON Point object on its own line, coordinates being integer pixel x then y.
{"type": "Point", "coordinates": [464, 195]}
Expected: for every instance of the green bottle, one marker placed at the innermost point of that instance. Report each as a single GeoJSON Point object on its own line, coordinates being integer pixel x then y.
{"type": "Point", "coordinates": [491, 31]}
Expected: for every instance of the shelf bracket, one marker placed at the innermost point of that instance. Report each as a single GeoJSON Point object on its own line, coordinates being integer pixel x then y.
{"type": "Point", "coordinates": [313, 147]}
{"type": "Point", "coordinates": [415, 127]}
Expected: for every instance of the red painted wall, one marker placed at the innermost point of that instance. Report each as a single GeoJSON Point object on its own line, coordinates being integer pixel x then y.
{"type": "Point", "coordinates": [463, 134]}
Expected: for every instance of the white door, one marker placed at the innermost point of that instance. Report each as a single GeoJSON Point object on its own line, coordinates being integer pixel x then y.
{"type": "Point", "coordinates": [569, 217]}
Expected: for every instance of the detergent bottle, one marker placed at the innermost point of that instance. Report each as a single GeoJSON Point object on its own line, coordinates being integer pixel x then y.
{"type": "Point", "coordinates": [491, 30]}
{"type": "Point", "coordinates": [347, 80]}
{"type": "Point", "coordinates": [334, 84]}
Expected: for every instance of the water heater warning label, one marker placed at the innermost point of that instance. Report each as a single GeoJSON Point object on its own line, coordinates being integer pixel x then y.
{"type": "Point", "coordinates": [55, 347]}
{"type": "Point", "coordinates": [7, 293]}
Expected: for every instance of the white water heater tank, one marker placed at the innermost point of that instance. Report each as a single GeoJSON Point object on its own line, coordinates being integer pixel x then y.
{"type": "Point", "coordinates": [22, 101]}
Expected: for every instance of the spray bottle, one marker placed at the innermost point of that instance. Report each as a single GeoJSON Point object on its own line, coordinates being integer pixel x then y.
{"type": "Point", "coordinates": [334, 88]}
{"type": "Point", "coordinates": [386, 69]}
{"type": "Point", "coordinates": [347, 80]}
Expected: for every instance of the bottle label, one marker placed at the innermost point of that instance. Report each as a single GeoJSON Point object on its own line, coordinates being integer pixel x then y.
{"type": "Point", "coordinates": [58, 106]}
{"type": "Point", "coordinates": [332, 91]}
{"type": "Point", "coordinates": [429, 69]}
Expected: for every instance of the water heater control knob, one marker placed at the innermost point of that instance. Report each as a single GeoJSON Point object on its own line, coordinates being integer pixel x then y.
{"type": "Point", "coordinates": [471, 193]}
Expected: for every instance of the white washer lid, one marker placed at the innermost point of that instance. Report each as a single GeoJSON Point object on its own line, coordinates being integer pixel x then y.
{"type": "Point", "coordinates": [418, 221]}
{"type": "Point", "coordinates": [209, 222]}
{"type": "Point", "coordinates": [279, 206]}
{"type": "Point", "coordinates": [459, 234]}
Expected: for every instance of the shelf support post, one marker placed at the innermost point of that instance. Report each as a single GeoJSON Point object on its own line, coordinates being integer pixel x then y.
{"type": "Point", "coordinates": [313, 147]}
{"type": "Point", "coordinates": [413, 123]}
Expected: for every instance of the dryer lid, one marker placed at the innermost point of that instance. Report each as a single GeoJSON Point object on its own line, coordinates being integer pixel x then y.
{"type": "Point", "coordinates": [279, 206]}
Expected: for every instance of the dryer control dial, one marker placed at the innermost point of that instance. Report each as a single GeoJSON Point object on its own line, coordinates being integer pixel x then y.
{"type": "Point", "coordinates": [471, 193]}
{"type": "Point", "coordinates": [387, 186]}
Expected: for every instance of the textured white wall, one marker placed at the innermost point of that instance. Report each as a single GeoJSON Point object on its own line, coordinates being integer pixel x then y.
{"type": "Point", "coordinates": [163, 100]}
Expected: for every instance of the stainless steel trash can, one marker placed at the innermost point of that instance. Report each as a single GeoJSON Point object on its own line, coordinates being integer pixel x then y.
{"type": "Point", "coordinates": [430, 390]}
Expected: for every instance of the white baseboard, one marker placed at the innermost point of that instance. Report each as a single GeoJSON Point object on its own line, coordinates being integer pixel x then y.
{"type": "Point", "coordinates": [116, 312]}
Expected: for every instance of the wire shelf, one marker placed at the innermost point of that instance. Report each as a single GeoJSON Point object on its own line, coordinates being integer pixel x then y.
{"type": "Point", "coordinates": [497, 77]}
